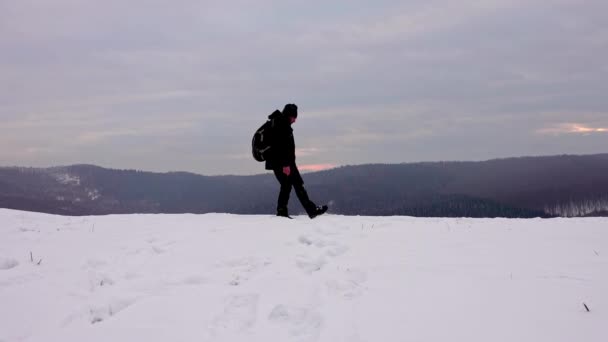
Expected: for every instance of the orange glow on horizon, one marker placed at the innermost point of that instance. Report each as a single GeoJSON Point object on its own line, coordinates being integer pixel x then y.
{"type": "Point", "coordinates": [316, 167]}
{"type": "Point", "coordinates": [566, 128]}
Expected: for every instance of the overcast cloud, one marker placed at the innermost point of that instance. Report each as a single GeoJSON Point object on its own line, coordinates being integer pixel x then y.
{"type": "Point", "coordinates": [182, 85]}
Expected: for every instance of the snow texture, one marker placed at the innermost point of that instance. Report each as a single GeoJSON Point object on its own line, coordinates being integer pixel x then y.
{"type": "Point", "coordinates": [67, 179]}
{"type": "Point", "coordinates": [220, 277]}
{"type": "Point", "coordinates": [93, 194]}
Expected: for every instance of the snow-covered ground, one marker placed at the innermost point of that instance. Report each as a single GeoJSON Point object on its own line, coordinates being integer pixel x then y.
{"type": "Point", "coordinates": [221, 277]}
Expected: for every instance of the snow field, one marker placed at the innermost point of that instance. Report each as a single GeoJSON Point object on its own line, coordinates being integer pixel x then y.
{"type": "Point", "coordinates": [220, 277]}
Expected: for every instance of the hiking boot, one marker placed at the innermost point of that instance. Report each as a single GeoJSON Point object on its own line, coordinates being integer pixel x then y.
{"type": "Point", "coordinates": [282, 212]}
{"type": "Point", "coordinates": [317, 211]}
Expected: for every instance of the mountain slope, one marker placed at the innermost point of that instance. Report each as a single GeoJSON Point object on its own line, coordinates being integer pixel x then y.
{"type": "Point", "coordinates": [514, 187]}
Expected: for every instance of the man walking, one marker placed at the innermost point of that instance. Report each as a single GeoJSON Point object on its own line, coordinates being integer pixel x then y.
{"type": "Point", "coordinates": [282, 160]}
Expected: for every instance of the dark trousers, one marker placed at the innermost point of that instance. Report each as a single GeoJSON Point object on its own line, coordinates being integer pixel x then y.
{"type": "Point", "coordinates": [294, 179]}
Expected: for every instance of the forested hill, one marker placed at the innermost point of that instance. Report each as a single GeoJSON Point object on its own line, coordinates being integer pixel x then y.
{"type": "Point", "coordinates": [514, 187]}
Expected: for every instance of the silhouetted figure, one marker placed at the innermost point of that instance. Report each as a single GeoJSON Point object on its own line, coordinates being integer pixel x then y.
{"type": "Point", "coordinates": [282, 160]}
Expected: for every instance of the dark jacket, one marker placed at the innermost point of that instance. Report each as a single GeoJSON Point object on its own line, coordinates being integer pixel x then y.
{"type": "Point", "coordinates": [283, 150]}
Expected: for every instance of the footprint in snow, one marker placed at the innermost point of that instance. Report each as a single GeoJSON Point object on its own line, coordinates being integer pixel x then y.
{"type": "Point", "coordinates": [349, 285]}
{"type": "Point", "coordinates": [337, 250]}
{"type": "Point", "coordinates": [8, 263]}
{"type": "Point", "coordinates": [189, 280]}
{"type": "Point", "coordinates": [158, 250]}
{"type": "Point", "coordinates": [242, 269]}
{"type": "Point", "coordinates": [310, 265]}
{"type": "Point", "coordinates": [94, 263]}
{"type": "Point", "coordinates": [307, 240]}
{"type": "Point", "coordinates": [301, 324]}
{"type": "Point", "coordinates": [97, 280]}
{"type": "Point", "coordinates": [150, 250]}
{"type": "Point", "coordinates": [194, 280]}
{"type": "Point", "coordinates": [332, 248]}
{"type": "Point", "coordinates": [239, 315]}
{"type": "Point", "coordinates": [100, 313]}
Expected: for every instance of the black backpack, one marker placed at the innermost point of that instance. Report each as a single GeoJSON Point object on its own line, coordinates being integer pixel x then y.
{"type": "Point", "coordinates": [261, 144]}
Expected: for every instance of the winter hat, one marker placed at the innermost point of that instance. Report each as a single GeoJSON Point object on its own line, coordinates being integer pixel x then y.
{"type": "Point", "coordinates": [290, 110]}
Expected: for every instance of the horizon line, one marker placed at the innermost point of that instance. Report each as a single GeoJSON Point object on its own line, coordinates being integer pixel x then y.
{"type": "Point", "coordinates": [333, 166]}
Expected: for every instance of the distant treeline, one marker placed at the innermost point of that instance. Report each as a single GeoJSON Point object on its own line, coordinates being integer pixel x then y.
{"type": "Point", "coordinates": [515, 187]}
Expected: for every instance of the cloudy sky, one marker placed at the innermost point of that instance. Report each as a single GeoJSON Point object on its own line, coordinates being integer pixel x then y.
{"type": "Point", "coordinates": [181, 85]}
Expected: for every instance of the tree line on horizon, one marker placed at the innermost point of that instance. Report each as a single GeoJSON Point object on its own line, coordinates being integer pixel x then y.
{"type": "Point", "coordinates": [514, 187]}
